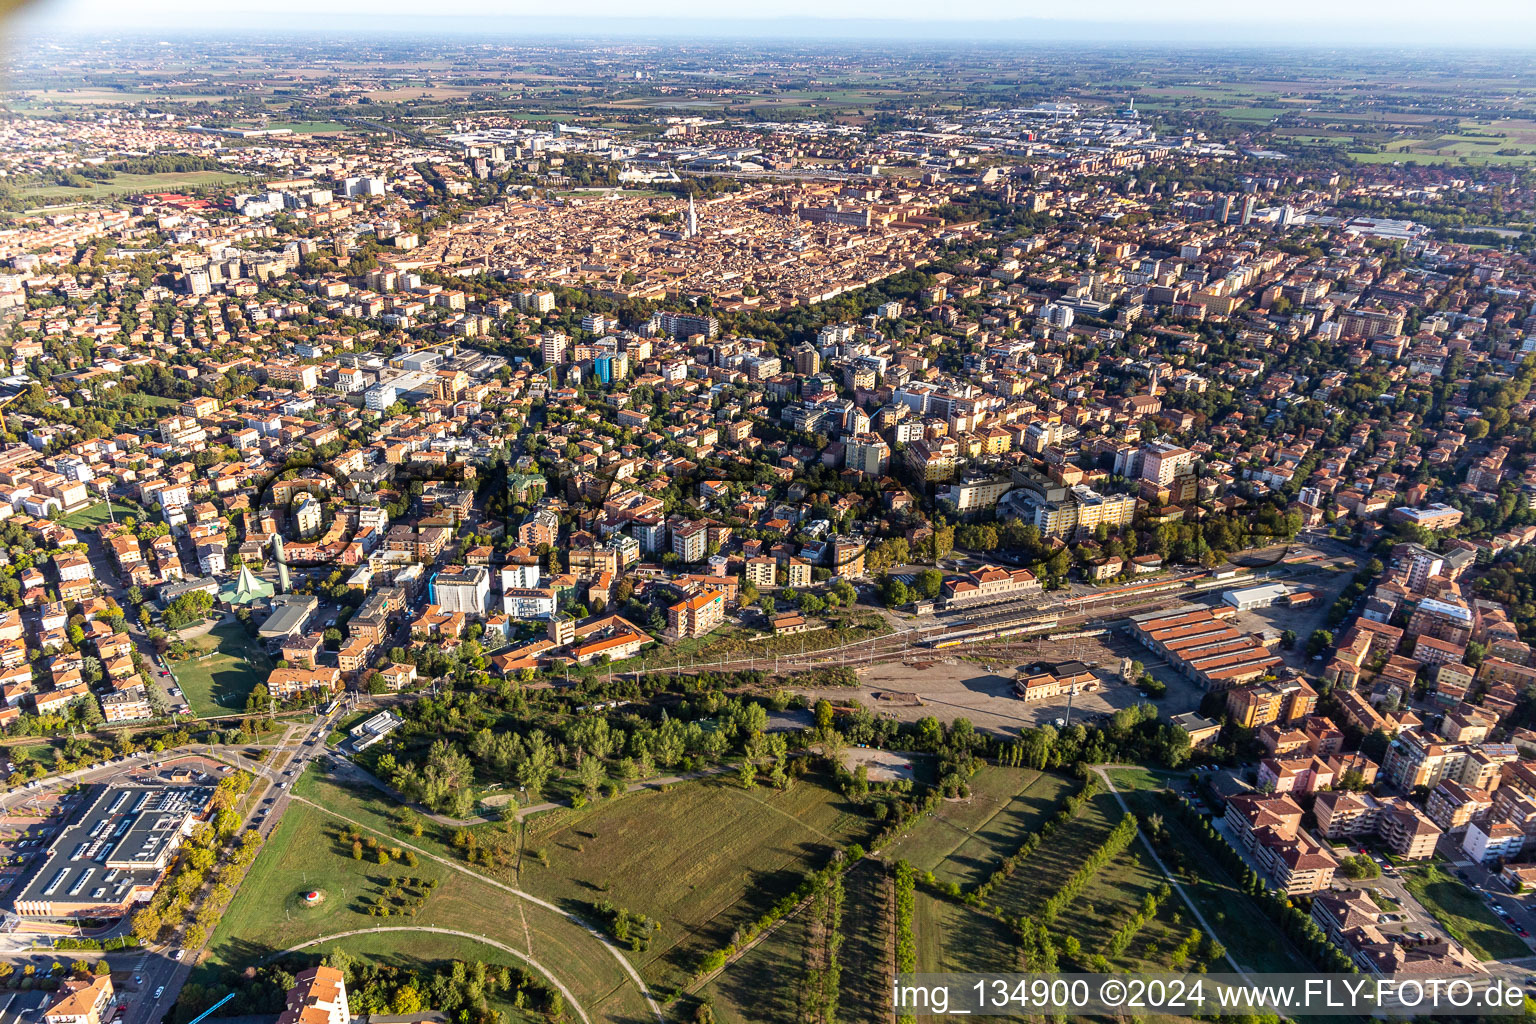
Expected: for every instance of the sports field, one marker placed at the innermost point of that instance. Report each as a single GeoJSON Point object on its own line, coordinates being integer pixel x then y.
{"type": "Point", "coordinates": [226, 666]}
{"type": "Point", "coordinates": [93, 516]}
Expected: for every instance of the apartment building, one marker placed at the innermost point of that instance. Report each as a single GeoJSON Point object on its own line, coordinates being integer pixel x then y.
{"type": "Point", "coordinates": [697, 615]}
{"type": "Point", "coordinates": [1269, 828]}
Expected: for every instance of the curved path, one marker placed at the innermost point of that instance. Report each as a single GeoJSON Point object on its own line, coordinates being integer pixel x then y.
{"type": "Point", "coordinates": [599, 936]}
{"type": "Point", "coordinates": [530, 961]}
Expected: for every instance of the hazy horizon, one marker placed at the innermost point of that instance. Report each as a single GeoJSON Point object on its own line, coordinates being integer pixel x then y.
{"type": "Point", "coordinates": [1489, 24]}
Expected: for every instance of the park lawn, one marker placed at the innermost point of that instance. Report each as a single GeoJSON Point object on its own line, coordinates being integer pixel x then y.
{"type": "Point", "coordinates": [225, 668]}
{"type": "Point", "coordinates": [926, 843]}
{"type": "Point", "coordinates": [424, 952]}
{"type": "Point", "coordinates": [1111, 899]}
{"type": "Point", "coordinates": [1238, 922]}
{"type": "Point", "coordinates": [128, 184]}
{"type": "Point", "coordinates": [951, 937]}
{"type": "Point", "coordinates": [867, 956]}
{"type": "Point", "coordinates": [311, 127]}
{"type": "Point", "coordinates": [1139, 778]}
{"type": "Point", "coordinates": [1463, 916]}
{"type": "Point", "coordinates": [37, 750]}
{"type": "Point", "coordinates": [369, 807]}
{"type": "Point", "coordinates": [268, 914]}
{"type": "Point", "coordinates": [761, 986]}
{"type": "Point", "coordinates": [93, 516]}
{"type": "Point", "coordinates": [703, 858]}
{"type": "Point", "coordinates": [978, 855]}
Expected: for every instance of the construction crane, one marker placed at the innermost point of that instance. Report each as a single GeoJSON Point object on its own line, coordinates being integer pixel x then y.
{"type": "Point", "coordinates": [210, 1009]}
{"type": "Point", "coordinates": [5, 402]}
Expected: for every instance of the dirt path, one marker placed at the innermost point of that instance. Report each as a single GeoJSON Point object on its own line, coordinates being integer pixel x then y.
{"type": "Point", "coordinates": [618, 955]}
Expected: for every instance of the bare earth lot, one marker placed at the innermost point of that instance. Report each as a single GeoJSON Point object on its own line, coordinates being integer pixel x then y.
{"type": "Point", "coordinates": [951, 688]}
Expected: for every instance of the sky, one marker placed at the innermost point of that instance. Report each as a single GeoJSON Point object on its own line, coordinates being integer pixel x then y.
{"type": "Point", "coordinates": [1502, 23]}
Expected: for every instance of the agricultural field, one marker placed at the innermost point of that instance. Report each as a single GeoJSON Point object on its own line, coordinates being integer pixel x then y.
{"type": "Point", "coordinates": [966, 838]}
{"type": "Point", "coordinates": [225, 666]}
{"type": "Point", "coordinates": [703, 858]}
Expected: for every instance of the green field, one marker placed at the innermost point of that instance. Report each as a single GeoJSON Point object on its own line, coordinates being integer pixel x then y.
{"type": "Point", "coordinates": [1465, 918]}
{"type": "Point", "coordinates": [965, 839]}
{"type": "Point", "coordinates": [1054, 862]}
{"type": "Point", "coordinates": [225, 666]}
{"type": "Point", "coordinates": [954, 937]}
{"type": "Point", "coordinates": [1218, 896]}
{"type": "Point", "coordinates": [93, 516]}
{"type": "Point", "coordinates": [268, 914]}
{"type": "Point", "coordinates": [310, 127]}
{"type": "Point", "coordinates": [126, 184]}
{"type": "Point", "coordinates": [760, 987]}
{"type": "Point", "coordinates": [1438, 158]}
{"type": "Point", "coordinates": [703, 858]}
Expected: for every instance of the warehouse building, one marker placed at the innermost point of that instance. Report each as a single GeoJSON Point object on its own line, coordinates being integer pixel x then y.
{"type": "Point", "coordinates": [114, 853]}
{"type": "Point", "coordinates": [1205, 647]}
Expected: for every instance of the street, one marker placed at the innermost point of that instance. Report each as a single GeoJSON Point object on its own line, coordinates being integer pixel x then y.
{"type": "Point", "coordinates": [148, 980]}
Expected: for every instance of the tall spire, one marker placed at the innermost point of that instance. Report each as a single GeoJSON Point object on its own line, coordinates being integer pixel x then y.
{"type": "Point", "coordinates": [693, 218]}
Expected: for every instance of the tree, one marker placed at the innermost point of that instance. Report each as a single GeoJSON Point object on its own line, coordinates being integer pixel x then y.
{"type": "Point", "coordinates": [824, 715]}
{"type": "Point", "coordinates": [1318, 642]}
{"type": "Point", "coordinates": [928, 584]}
{"type": "Point", "coordinates": [589, 775]}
